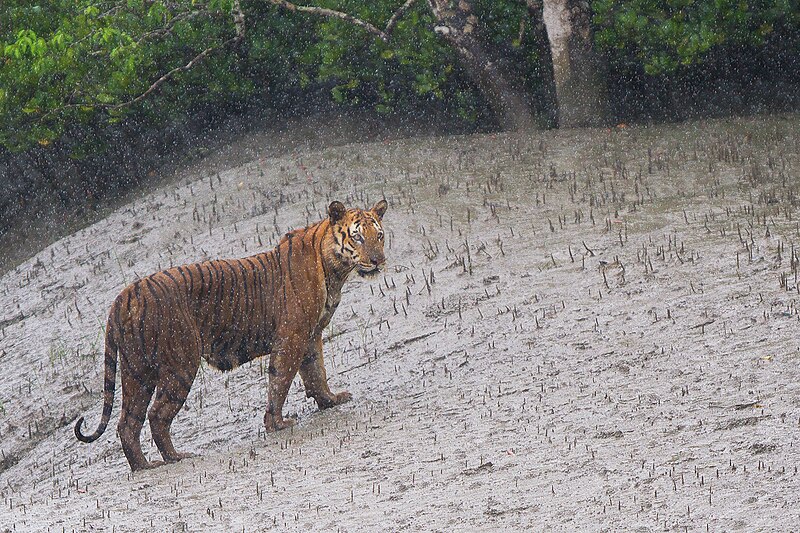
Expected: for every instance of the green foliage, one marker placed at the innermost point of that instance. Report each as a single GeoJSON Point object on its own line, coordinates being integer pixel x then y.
{"type": "Point", "coordinates": [414, 65]}
{"type": "Point", "coordinates": [62, 62]}
{"type": "Point", "coordinates": [78, 64]}
{"type": "Point", "coordinates": [664, 35]}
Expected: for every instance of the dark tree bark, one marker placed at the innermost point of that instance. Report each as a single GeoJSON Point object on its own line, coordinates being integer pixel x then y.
{"type": "Point", "coordinates": [502, 88]}
{"type": "Point", "coordinates": [578, 70]}
{"type": "Point", "coordinates": [458, 26]}
{"type": "Point", "coordinates": [541, 41]}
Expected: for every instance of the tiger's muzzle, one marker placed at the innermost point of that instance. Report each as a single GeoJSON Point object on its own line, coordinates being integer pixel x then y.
{"type": "Point", "coordinates": [372, 268]}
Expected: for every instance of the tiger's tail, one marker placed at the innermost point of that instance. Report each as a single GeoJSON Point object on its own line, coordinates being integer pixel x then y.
{"type": "Point", "coordinates": [112, 346]}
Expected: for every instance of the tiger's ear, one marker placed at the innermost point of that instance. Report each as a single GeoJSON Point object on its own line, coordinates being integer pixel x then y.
{"type": "Point", "coordinates": [380, 208]}
{"type": "Point", "coordinates": [336, 211]}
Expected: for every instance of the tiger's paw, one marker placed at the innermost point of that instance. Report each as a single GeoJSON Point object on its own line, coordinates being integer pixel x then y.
{"type": "Point", "coordinates": [332, 400]}
{"type": "Point", "coordinates": [272, 424]}
{"type": "Point", "coordinates": [342, 397]}
{"type": "Point", "coordinates": [149, 465]}
{"type": "Point", "coordinates": [179, 456]}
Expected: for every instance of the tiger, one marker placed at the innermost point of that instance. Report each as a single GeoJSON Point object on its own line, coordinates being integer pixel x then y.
{"type": "Point", "coordinates": [229, 312]}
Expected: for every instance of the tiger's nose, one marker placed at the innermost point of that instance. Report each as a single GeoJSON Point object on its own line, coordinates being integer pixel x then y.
{"type": "Point", "coordinates": [377, 260]}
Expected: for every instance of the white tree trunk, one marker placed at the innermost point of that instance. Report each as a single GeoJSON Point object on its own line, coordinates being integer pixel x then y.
{"type": "Point", "coordinates": [577, 70]}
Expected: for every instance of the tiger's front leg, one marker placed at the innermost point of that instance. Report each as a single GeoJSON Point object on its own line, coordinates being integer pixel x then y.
{"type": "Point", "coordinates": [315, 380]}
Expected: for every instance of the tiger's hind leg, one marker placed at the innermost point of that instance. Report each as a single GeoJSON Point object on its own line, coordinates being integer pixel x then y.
{"type": "Point", "coordinates": [138, 385]}
{"type": "Point", "coordinates": [283, 365]}
{"type": "Point", "coordinates": [175, 379]}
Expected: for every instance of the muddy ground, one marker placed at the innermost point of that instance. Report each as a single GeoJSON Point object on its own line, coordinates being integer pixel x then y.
{"type": "Point", "coordinates": [579, 330]}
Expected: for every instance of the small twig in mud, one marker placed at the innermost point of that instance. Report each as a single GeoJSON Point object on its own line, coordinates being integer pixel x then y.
{"type": "Point", "coordinates": [605, 279]}
{"type": "Point", "coordinates": [591, 253]}
{"type": "Point", "coordinates": [703, 325]}
{"type": "Point", "coordinates": [333, 334]}
{"type": "Point", "coordinates": [410, 340]}
{"type": "Point", "coordinates": [392, 347]}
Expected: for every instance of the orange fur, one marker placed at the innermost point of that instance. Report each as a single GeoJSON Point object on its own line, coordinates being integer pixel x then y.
{"type": "Point", "coordinates": [229, 312]}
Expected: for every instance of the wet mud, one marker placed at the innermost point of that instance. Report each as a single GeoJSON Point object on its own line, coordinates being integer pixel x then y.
{"type": "Point", "coordinates": [577, 330]}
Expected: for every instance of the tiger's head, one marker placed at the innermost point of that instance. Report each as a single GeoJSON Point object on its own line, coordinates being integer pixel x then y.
{"type": "Point", "coordinates": [358, 237]}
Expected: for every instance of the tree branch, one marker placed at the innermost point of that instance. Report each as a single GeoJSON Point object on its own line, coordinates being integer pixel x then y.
{"type": "Point", "coordinates": [396, 16]}
{"type": "Point", "coordinates": [384, 35]}
{"type": "Point", "coordinates": [160, 81]}
{"type": "Point", "coordinates": [436, 8]}
{"type": "Point", "coordinates": [170, 25]}
{"type": "Point", "coordinates": [239, 24]}
{"type": "Point", "coordinates": [163, 31]}
{"type": "Point", "coordinates": [325, 12]}
{"type": "Point", "coordinates": [238, 20]}
{"type": "Point", "coordinates": [155, 85]}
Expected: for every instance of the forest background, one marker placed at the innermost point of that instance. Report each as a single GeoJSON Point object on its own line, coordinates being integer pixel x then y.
{"type": "Point", "coordinates": [95, 95]}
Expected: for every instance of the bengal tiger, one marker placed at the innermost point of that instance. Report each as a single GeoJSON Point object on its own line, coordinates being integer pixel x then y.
{"type": "Point", "coordinates": [229, 312]}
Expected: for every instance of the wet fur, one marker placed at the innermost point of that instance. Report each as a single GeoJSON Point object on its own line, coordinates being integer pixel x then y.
{"type": "Point", "coordinates": [229, 312]}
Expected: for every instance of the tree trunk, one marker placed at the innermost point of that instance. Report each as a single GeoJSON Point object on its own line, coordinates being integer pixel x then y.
{"type": "Point", "coordinates": [538, 33]}
{"type": "Point", "coordinates": [502, 88]}
{"type": "Point", "coordinates": [578, 71]}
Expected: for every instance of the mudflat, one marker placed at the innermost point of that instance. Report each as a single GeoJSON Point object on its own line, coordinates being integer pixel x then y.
{"type": "Point", "coordinates": [578, 330]}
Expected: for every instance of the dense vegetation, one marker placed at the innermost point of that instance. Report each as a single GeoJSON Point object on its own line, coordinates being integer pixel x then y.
{"type": "Point", "coordinates": [82, 64]}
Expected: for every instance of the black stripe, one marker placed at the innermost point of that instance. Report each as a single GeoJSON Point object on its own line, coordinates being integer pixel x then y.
{"type": "Point", "coordinates": [199, 268]}
{"type": "Point", "coordinates": [219, 283]}
{"type": "Point", "coordinates": [142, 312]}
{"type": "Point", "coordinates": [167, 291]}
{"type": "Point", "coordinates": [278, 260]}
{"type": "Point", "coordinates": [250, 277]}
{"type": "Point", "coordinates": [176, 308]}
{"type": "Point", "coordinates": [128, 303]}
{"type": "Point", "coordinates": [109, 381]}
{"type": "Point", "coordinates": [289, 262]}
{"type": "Point", "coordinates": [166, 393]}
{"type": "Point", "coordinates": [221, 288]}
{"type": "Point", "coordinates": [285, 299]}
{"type": "Point", "coordinates": [260, 262]}
{"type": "Point", "coordinates": [249, 311]}
{"type": "Point", "coordinates": [114, 323]}
{"type": "Point", "coordinates": [240, 277]}
{"type": "Point", "coordinates": [128, 370]}
{"type": "Point", "coordinates": [274, 281]}
{"type": "Point", "coordinates": [314, 235]}
{"type": "Point", "coordinates": [249, 288]}
{"type": "Point", "coordinates": [235, 318]}
{"type": "Point", "coordinates": [245, 292]}
{"type": "Point", "coordinates": [170, 276]}
{"type": "Point", "coordinates": [325, 271]}
{"type": "Point", "coordinates": [156, 319]}
{"type": "Point", "coordinates": [262, 286]}
{"type": "Point", "coordinates": [267, 286]}
{"type": "Point", "coordinates": [233, 293]}
{"type": "Point", "coordinates": [260, 289]}
{"type": "Point", "coordinates": [189, 284]}
{"type": "Point", "coordinates": [186, 386]}
{"type": "Point", "coordinates": [204, 328]}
